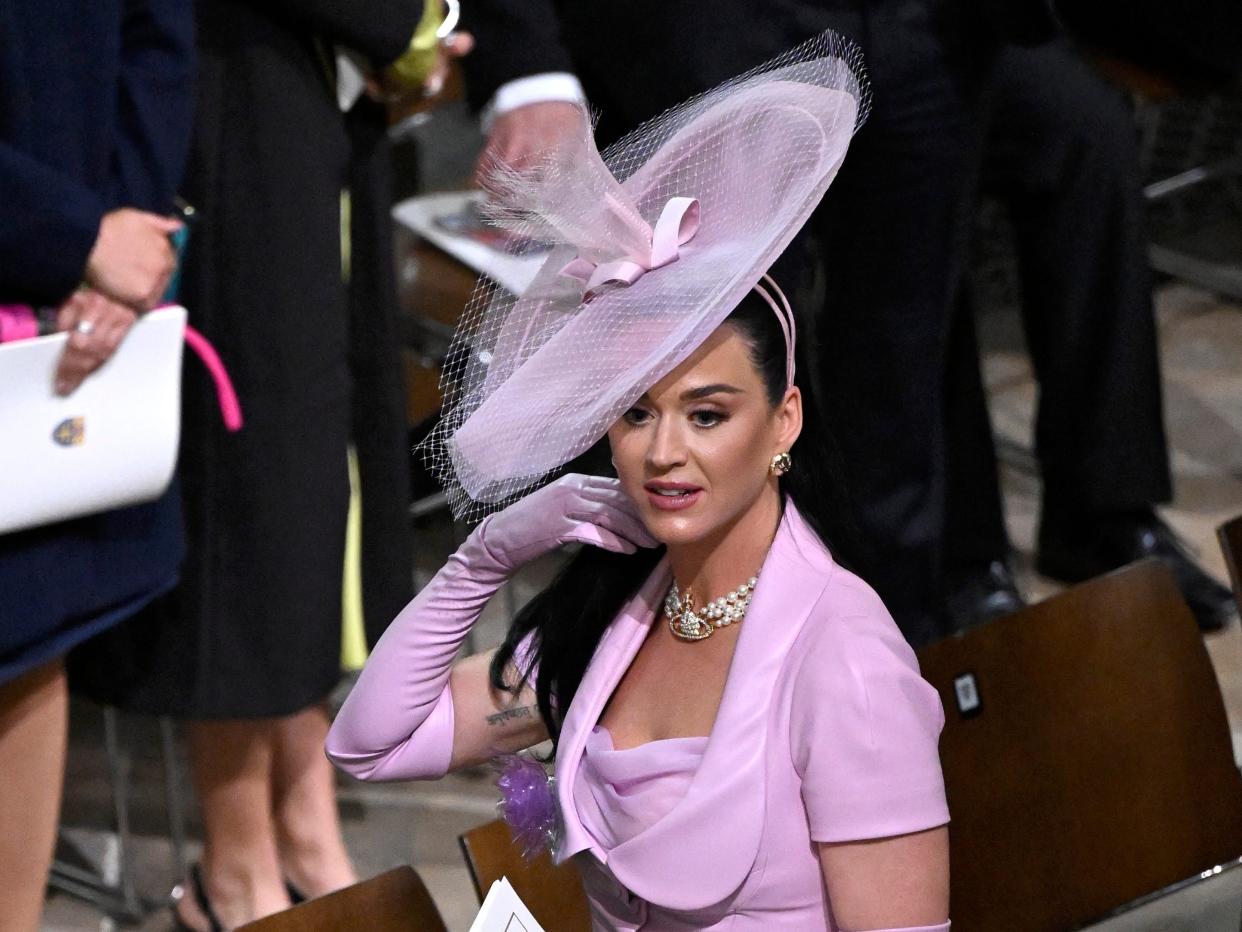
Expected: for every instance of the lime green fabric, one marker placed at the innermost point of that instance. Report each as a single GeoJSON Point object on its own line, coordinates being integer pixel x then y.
{"type": "Point", "coordinates": [353, 632]}
{"type": "Point", "coordinates": [415, 65]}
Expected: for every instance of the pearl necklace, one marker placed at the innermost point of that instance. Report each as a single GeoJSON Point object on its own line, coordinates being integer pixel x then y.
{"type": "Point", "coordinates": [689, 625]}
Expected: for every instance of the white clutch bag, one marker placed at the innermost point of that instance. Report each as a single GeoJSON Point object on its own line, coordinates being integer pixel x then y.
{"type": "Point", "coordinates": [111, 443]}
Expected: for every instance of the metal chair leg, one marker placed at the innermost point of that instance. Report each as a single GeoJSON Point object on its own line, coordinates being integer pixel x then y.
{"type": "Point", "coordinates": [172, 794]}
{"type": "Point", "coordinates": [121, 899]}
{"type": "Point", "coordinates": [119, 766]}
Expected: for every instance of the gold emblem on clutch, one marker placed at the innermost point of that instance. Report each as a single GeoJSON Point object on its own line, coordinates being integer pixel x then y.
{"type": "Point", "coordinates": [71, 432]}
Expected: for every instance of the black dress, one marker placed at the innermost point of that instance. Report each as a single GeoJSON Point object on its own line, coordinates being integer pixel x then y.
{"type": "Point", "coordinates": [94, 114]}
{"type": "Point", "coordinates": [255, 627]}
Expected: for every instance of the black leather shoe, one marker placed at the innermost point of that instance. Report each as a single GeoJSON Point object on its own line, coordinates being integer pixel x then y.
{"type": "Point", "coordinates": [198, 891]}
{"type": "Point", "coordinates": [980, 595]}
{"type": "Point", "coordinates": [1074, 551]}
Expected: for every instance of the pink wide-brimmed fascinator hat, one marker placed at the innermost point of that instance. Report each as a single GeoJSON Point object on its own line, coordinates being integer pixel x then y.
{"type": "Point", "coordinates": [653, 243]}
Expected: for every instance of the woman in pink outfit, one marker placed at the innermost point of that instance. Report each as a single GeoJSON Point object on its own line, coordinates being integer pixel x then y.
{"type": "Point", "coordinates": [742, 739]}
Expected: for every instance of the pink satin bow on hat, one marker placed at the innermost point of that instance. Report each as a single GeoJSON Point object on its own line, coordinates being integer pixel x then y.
{"type": "Point", "coordinates": [679, 221]}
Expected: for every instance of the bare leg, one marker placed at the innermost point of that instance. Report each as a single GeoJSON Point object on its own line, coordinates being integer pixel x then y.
{"type": "Point", "coordinates": [33, 732]}
{"type": "Point", "coordinates": [308, 827]}
{"type": "Point", "coordinates": [231, 763]}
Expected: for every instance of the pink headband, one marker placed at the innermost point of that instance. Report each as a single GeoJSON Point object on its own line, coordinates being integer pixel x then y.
{"type": "Point", "coordinates": [766, 287]}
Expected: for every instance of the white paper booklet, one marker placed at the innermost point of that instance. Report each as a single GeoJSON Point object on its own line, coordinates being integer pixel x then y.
{"type": "Point", "coordinates": [445, 220]}
{"type": "Point", "coordinates": [504, 911]}
{"type": "Point", "coordinates": [112, 443]}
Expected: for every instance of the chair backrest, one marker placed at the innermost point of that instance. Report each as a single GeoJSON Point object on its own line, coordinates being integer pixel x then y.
{"type": "Point", "coordinates": [552, 893]}
{"type": "Point", "coordinates": [1086, 753]}
{"type": "Point", "coordinates": [395, 901]}
{"type": "Point", "coordinates": [1230, 534]}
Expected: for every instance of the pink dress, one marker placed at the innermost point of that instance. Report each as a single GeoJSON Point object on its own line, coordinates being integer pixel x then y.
{"type": "Point", "coordinates": [825, 733]}
{"type": "Point", "coordinates": [622, 793]}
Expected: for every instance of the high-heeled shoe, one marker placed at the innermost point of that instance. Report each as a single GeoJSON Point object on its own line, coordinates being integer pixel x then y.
{"type": "Point", "coordinates": [199, 892]}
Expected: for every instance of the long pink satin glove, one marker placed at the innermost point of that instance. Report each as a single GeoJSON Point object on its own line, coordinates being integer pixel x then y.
{"type": "Point", "coordinates": [943, 927]}
{"type": "Point", "coordinates": [397, 723]}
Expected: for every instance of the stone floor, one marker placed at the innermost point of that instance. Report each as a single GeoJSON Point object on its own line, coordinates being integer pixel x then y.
{"type": "Point", "coordinates": [418, 824]}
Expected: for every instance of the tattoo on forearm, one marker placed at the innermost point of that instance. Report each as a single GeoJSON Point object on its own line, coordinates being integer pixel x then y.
{"type": "Point", "coordinates": [500, 718]}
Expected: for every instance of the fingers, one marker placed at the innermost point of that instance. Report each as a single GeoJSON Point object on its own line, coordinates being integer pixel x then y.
{"type": "Point", "coordinates": [132, 260]}
{"type": "Point", "coordinates": [452, 47]}
{"type": "Point", "coordinates": [611, 496]}
{"type": "Point", "coordinates": [165, 225]}
{"type": "Point", "coordinates": [611, 510]}
{"type": "Point", "coordinates": [519, 137]}
{"type": "Point", "coordinates": [590, 510]}
{"type": "Point", "coordinates": [163, 263]}
{"type": "Point", "coordinates": [96, 328]}
{"type": "Point", "coordinates": [625, 524]}
{"type": "Point", "coordinates": [457, 44]}
{"type": "Point", "coordinates": [437, 79]}
{"type": "Point", "coordinates": [600, 537]}
{"type": "Point", "coordinates": [160, 286]}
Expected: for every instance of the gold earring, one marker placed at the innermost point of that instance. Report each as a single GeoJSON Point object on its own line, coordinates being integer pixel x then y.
{"type": "Point", "coordinates": [781, 464]}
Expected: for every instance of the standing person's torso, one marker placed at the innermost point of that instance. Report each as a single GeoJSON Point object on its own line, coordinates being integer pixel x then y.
{"type": "Point", "coordinates": [59, 62]}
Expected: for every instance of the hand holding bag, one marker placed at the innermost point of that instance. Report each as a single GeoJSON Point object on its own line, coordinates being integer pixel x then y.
{"type": "Point", "coordinates": [112, 442]}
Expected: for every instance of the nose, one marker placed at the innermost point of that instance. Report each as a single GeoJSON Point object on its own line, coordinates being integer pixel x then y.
{"type": "Point", "coordinates": [667, 448]}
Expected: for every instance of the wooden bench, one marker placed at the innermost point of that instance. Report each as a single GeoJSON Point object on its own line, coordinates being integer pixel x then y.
{"type": "Point", "coordinates": [395, 901]}
{"type": "Point", "coordinates": [1087, 757]}
{"type": "Point", "coordinates": [552, 893]}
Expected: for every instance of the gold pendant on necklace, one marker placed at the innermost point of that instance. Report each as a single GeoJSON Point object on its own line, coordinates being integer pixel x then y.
{"type": "Point", "coordinates": [689, 625]}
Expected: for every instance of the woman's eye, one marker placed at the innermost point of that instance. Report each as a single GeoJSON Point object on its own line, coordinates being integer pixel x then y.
{"type": "Point", "coordinates": [707, 418]}
{"type": "Point", "coordinates": [636, 416]}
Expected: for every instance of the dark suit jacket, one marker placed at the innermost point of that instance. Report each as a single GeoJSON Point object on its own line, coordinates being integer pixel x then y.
{"type": "Point", "coordinates": [95, 110]}
{"type": "Point", "coordinates": [634, 57]}
{"type": "Point", "coordinates": [638, 57]}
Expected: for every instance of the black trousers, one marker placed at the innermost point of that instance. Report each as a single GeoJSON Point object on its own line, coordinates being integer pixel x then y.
{"type": "Point", "coordinates": [891, 236]}
{"type": "Point", "coordinates": [1061, 155]}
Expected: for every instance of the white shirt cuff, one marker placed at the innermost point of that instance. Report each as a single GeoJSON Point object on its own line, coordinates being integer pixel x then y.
{"type": "Point", "coordinates": [537, 88]}
{"type": "Point", "coordinates": [351, 78]}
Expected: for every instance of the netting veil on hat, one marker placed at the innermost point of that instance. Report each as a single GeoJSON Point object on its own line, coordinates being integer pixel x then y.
{"type": "Point", "coordinates": [654, 243]}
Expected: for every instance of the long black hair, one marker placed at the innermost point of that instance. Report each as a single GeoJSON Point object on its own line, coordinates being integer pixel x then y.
{"type": "Point", "coordinates": [569, 617]}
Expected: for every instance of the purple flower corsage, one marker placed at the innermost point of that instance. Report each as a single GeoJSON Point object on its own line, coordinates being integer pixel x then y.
{"type": "Point", "coordinates": [528, 804]}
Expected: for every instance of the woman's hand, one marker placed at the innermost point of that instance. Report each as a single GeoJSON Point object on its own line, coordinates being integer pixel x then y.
{"type": "Point", "coordinates": [133, 260]}
{"type": "Point", "coordinates": [573, 509]}
{"type": "Point", "coordinates": [96, 327]}
{"type": "Point", "coordinates": [398, 722]}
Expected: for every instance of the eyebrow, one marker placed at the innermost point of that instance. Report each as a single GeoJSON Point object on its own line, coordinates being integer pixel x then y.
{"type": "Point", "coordinates": [694, 394]}
{"type": "Point", "coordinates": [719, 389]}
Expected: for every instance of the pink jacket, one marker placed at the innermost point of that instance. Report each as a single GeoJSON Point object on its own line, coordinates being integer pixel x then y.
{"type": "Point", "coordinates": [825, 733]}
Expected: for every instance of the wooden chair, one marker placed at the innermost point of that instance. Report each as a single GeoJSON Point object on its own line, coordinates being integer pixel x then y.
{"type": "Point", "coordinates": [552, 893]}
{"type": "Point", "coordinates": [395, 901]}
{"type": "Point", "coordinates": [1086, 753]}
{"type": "Point", "coordinates": [1230, 534]}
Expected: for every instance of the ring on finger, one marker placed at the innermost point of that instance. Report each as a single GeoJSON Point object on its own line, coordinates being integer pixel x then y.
{"type": "Point", "coordinates": [85, 327]}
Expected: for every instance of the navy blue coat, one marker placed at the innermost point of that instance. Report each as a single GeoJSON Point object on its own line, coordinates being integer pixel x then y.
{"type": "Point", "coordinates": [95, 113]}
